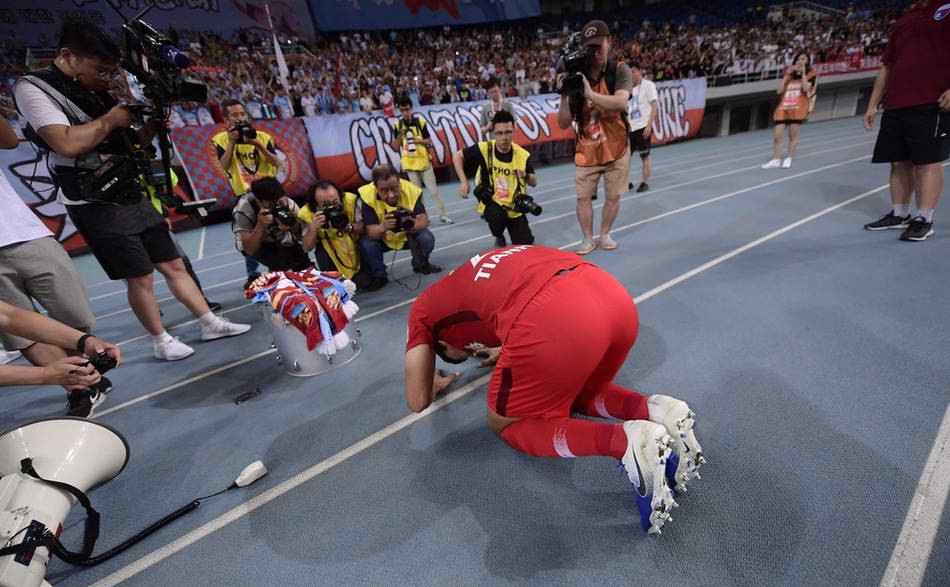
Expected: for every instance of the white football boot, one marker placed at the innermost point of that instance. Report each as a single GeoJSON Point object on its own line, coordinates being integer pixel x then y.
{"type": "Point", "coordinates": [648, 449]}
{"type": "Point", "coordinates": [679, 420]}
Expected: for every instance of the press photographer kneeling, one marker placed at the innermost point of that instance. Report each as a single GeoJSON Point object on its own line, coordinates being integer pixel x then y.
{"type": "Point", "coordinates": [503, 171]}
{"type": "Point", "coordinates": [266, 227]}
{"type": "Point", "coordinates": [395, 219]}
{"type": "Point", "coordinates": [96, 162]}
{"type": "Point", "coordinates": [334, 226]}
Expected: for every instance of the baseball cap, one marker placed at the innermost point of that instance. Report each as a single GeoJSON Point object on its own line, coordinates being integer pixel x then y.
{"type": "Point", "coordinates": [593, 32]}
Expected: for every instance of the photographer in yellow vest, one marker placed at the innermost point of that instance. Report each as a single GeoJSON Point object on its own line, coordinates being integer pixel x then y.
{"type": "Point", "coordinates": [152, 189]}
{"type": "Point", "coordinates": [334, 225]}
{"type": "Point", "coordinates": [394, 219]}
{"type": "Point", "coordinates": [413, 141]}
{"type": "Point", "coordinates": [503, 171]}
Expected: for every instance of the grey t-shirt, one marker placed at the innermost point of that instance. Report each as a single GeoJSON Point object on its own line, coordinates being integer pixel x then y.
{"type": "Point", "coordinates": [244, 218]}
{"type": "Point", "coordinates": [488, 114]}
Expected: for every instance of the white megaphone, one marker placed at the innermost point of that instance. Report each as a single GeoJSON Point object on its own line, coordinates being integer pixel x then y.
{"type": "Point", "coordinates": [81, 453]}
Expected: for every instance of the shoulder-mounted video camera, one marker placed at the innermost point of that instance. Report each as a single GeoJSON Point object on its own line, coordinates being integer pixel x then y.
{"type": "Point", "coordinates": [577, 59]}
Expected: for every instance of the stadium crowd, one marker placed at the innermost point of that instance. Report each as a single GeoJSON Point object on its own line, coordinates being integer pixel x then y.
{"type": "Point", "coordinates": [354, 72]}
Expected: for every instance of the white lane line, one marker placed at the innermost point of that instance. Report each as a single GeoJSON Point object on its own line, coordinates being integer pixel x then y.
{"type": "Point", "coordinates": [808, 141]}
{"type": "Point", "coordinates": [201, 243]}
{"type": "Point", "coordinates": [270, 495]}
{"type": "Point", "coordinates": [201, 376]}
{"type": "Point", "coordinates": [908, 563]}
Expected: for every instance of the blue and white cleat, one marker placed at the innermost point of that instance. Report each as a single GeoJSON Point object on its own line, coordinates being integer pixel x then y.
{"type": "Point", "coordinates": [648, 449]}
{"type": "Point", "coordinates": [679, 421]}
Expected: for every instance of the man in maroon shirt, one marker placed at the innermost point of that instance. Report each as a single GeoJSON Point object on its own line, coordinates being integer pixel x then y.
{"type": "Point", "coordinates": [914, 82]}
{"type": "Point", "coordinates": [559, 329]}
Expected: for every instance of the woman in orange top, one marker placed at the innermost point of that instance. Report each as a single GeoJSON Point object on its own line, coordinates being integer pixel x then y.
{"type": "Point", "coordinates": [797, 99]}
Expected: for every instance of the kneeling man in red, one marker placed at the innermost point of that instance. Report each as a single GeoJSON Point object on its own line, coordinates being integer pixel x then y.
{"type": "Point", "coordinates": [559, 329]}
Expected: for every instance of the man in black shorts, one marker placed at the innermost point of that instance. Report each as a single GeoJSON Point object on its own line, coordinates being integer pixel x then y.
{"type": "Point", "coordinates": [73, 118]}
{"type": "Point", "coordinates": [642, 110]}
{"type": "Point", "coordinates": [915, 128]}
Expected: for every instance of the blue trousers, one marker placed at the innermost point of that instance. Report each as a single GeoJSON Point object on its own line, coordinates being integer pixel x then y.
{"type": "Point", "coordinates": [372, 250]}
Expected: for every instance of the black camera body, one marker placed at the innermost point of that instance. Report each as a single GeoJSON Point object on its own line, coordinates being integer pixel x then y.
{"type": "Point", "coordinates": [405, 220]}
{"type": "Point", "coordinates": [155, 62]}
{"type": "Point", "coordinates": [483, 192]}
{"type": "Point", "coordinates": [103, 362]}
{"type": "Point", "coordinates": [117, 180]}
{"type": "Point", "coordinates": [334, 216]}
{"type": "Point", "coordinates": [526, 205]}
{"type": "Point", "coordinates": [246, 132]}
{"type": "Point", "coordinates": [577, 60]}
{"type": "Point", "coordinates": [283, 214]}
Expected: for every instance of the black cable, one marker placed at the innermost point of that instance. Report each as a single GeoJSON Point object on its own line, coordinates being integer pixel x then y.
{"type": "Point", "coordinates": [399, 281]}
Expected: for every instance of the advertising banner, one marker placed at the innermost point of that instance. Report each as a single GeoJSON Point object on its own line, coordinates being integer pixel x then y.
{"type": "Point", "coordinates": [347, 147]}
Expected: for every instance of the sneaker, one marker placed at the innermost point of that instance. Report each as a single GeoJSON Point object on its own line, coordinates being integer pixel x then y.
{"type": "Point", "coordinates": [630, 186]}
{"type": "Point", "coordinates": [787, 163]}
{"type": "Point", "coordinates": [222, 328]}
{"type": "Point", "coordinates": [607, 243]}
{"type": "Point", "coordinates": [648, 449]}
{"type": "Point", "coordinates": [9, 356]}
{"type": "Point", "coordinates": [446, 220]}
{"type": "Point", "coordinates": [172, 350]}
{"type": "Point", "coordinates": [890, 220]}
{"type": "Point", "coordinates": [82, 403]}
{"type": "Point", "coordinates": [586, 247]}
{"type": "Point", "coordinates": [214, 306]}
{"type": "Point", "coordinates": [642, 187]}
{"type": "Point", "coordinates": [376, 284]}
{"type": "Point", "coordinates": [773, 164]}
{"type": "Point", "coordinates": [919, 230]}
{"type": "Point", "coordinates": [679, 421]}
{"type": "Point", "coordinates": [500, 241]}
{"type": "Point", "coordinates": [104, 385]}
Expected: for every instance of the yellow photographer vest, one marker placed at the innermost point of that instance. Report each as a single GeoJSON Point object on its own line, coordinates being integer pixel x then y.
{"type": "Point", "coordinates": [503, 177]}
{"type": "Point", "coordinates": [409, 194]}
{"type": "Point", "coordinates": [341, 249]}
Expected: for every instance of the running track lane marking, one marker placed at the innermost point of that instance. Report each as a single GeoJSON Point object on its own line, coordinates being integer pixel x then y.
{"type": "Point", "coordinates": [908, 563]}
{"type": "Point", "coordinates": [545, 220]}
{"type": "Point", "coordinates": [217, 370]}
{"type": "Point", "coordinates": [246, 508]}
{"type": "Point", "coordinates": [808, 140]}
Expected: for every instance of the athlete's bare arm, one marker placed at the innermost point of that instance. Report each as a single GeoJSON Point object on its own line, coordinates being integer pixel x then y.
{"type": "Point", "coordinates": [423, 382]}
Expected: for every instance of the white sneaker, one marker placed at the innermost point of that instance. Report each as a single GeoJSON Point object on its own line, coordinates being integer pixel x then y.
{"type": "Point", "coordinates": [607, 243]}
{"type": "Point", "coordinates": [221, 328]}
{"type": "Point", "coordinates": [648, 449]}
{"type": "Point", "coordinates": [679, 420]}
{"type": "Point", "coordinates": [172, 350]}
{"type": "Point", "coordinates": [787, 163]}
{"type": "Point", "coordinates": [447, 220]}
{"type": "Point", "coordinates": [586, 247]}
{"type": "Point", "coordinates": [773, 164]}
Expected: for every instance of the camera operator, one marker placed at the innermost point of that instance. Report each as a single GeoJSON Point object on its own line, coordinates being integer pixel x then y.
{"type": "Point", "coordinates": [413, 141]}
{"type": "Point", "coordinates": [71, 115]}
{"type": "Point", "coordinates": [394, 219]}
{"type": "Point", "coordinates": [72, 372]}
{"type": "Point", "coordinates": [503, 169]}
{"type": "Point", "coordinates": [266, 227]}
{"type": "Point", "coordinates": [334, 228]}
{"type": "Point", "coordinates": [246, 154]}
{"type": "Point", "coordinates": [602, 146]}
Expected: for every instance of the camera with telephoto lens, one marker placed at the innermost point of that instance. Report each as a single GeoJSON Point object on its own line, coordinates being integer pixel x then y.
{"type": "Point", "coordinates": [283, 214]}
{"type": "Point", "coordinates": [334, 216]}
{"type": "Point", "coordinates": [577, 60]}
{"type": "Point", "coordinates": [246, 132]}
{"type": "Point", "coordinates": [526, 205]}
{"type": "Point", "coordinates": [405, 220]}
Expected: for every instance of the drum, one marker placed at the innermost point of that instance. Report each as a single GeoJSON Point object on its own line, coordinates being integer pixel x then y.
{"type": "Point", "coordinates": [292, 348]}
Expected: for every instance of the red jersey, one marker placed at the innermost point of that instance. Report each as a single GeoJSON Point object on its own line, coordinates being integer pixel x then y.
{"type": "Point", "coordinates": [918, 57]}
{"type": "Point", "coordinates": [480, 301]}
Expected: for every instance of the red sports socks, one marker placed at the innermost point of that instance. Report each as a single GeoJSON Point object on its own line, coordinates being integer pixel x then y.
{"type": "Point", "coordinates": [566, 438]}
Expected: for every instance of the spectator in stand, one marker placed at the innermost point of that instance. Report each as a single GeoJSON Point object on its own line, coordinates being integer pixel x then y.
{"type": "Point", "coordinates": [308, 103]}
{"type": "Point", "coordinates": [797, 94]}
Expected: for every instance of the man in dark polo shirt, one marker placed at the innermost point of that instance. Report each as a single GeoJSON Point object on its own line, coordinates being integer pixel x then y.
{"type": "Point", "coordinates": [914, 82]}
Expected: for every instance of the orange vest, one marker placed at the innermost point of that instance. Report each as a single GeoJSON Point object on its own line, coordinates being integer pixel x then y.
{"type": "Point", "coordinates": [603, 138]}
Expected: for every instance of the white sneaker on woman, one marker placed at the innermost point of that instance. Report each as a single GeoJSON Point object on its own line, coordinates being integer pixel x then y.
{"type": "Point", "coordinates": [787, 163]}
{"type": "Point", "coordinates": [773, 164]}
{"type": "Point", "coordinates": [172, 350]}
{"type": "Point", "coordinates": [221, 328]}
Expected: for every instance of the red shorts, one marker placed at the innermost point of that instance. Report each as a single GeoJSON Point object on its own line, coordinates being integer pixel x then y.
{"type": "Point", "coordinates": [574, 335]}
